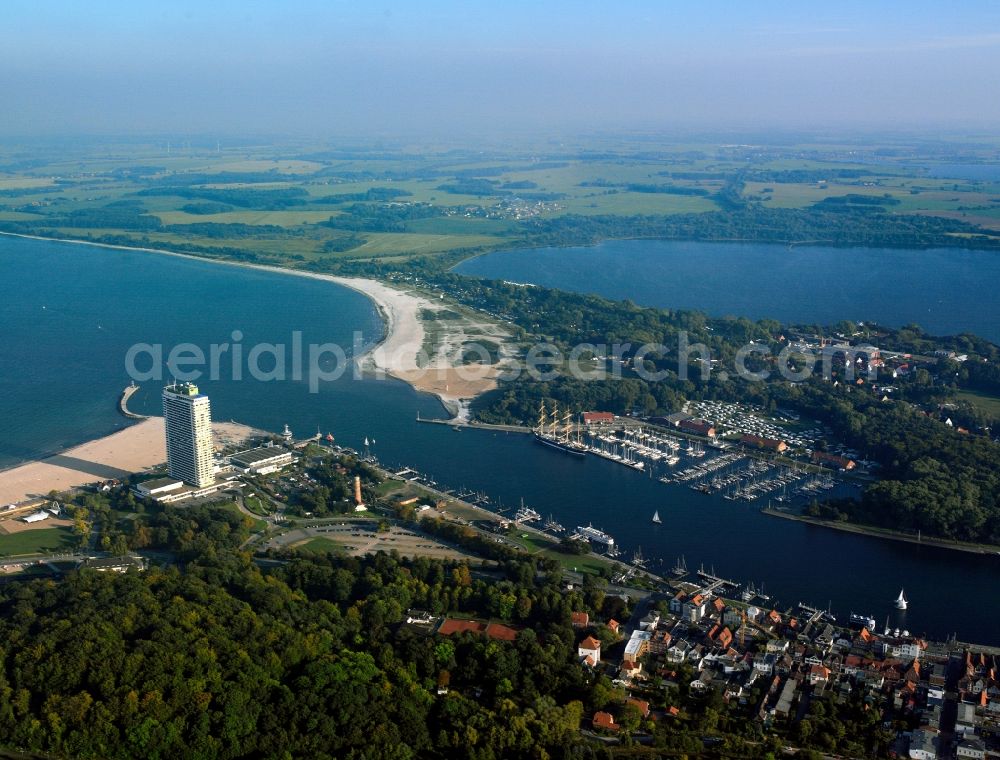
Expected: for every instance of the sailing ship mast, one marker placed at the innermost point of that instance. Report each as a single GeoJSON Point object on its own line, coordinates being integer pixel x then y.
{"type": "Point", "coordinates": [567, 427]}
{"type": "Point", "coordinates": [541, 417]}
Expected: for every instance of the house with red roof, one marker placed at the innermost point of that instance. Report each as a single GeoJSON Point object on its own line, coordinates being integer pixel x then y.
{"type": "Point", "coordinates": [604, 722]}
{"type": "Point", "coordinates": [766, 444]}
{"type": "Point", "coordinates": [824, 459]}
{"type": "Point", "coordinates": [698, 427]}
{"type": "Point", "coordinates": [590, 647]}
{"type": "Point", "coordinates": [579, 619]}
{"type": "Point", "coordinates": [725, 638]}
{"type": "Point", "coordinates": [819, 674]}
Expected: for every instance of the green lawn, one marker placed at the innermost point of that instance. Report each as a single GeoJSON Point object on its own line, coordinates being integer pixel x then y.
{"type": "Point", "coordinates": [581, 563]}
{"type": "Point", "coordinates": [35, 541]}
{"type": "Point", "coordinates": [256, 505]}
{"type": "Point", "coordinates": [389, 486]}
{"type": "Point", "coordinates": [16, 183]}
{"type": "Point", "coordinates": [321, 545]}
{"type": "Point", "coordinates": [983, 401]}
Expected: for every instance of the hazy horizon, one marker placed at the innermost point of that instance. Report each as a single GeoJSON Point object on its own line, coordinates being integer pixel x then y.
{"type": "Point", "coordinates": [319, 69]}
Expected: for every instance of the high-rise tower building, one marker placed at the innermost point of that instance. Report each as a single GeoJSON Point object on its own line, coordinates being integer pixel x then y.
{"type": "Point", "coordinates": [189, 434]}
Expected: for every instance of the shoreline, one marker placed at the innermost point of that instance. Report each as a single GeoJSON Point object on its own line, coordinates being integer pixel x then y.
{"type": "Point", "coordinates": [396, 353]}
{"type": "Point", "coordinates": [890, 535]}
{"type": "Point", "coordinates": [133, 449]}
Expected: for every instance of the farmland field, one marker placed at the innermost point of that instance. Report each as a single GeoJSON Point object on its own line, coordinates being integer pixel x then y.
{"type": "Point", "coordinates": [314, 206]}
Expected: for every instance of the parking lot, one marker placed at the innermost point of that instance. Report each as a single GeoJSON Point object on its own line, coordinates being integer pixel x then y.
{"type": "Point", "coordinates": [753, 420]}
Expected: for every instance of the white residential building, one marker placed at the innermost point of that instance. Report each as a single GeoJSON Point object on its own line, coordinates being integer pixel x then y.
{"type": "Point", "coordinates": [923, 745]}
{"type": "Point", "coordinates": [590, 650]}
{"type": "Point", "coordinates": [972, 748]}
{"type": "Point", "coordinates": [637, 645]}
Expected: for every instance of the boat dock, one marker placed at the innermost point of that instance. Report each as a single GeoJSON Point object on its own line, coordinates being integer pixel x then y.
{"type": "Point", "coordinates": [716, 581]}
{"type": "Point", "coordinates": [815, 614]}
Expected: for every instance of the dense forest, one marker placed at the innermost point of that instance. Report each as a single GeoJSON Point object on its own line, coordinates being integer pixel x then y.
{"type": "Point", "coordinates": [382, 218]}
{"type": "Point", "coordinates": [310, 656]}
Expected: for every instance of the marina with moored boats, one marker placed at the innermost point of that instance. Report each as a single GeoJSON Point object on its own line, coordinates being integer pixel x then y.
{"type": "Point", "coordinates": [733, 473]}
{"type": "Point", "coordinates": [710, 467]}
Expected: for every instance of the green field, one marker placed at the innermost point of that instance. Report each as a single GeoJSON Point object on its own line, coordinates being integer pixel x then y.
{"type": "Point", "coordinates": [36, 541]}
{"type": "Point", "coordinates": [389, 486]}
{"type": "Point", "coordinates": [987, 404]}
{"type": "Point", "coordinates": [20, 183]}
{"type": "Point", "coordinates": [279, 218]}
{"type": "Point", "coordinates": [581, 563]}
{"type": "Point", "coordinates": [278, 198]}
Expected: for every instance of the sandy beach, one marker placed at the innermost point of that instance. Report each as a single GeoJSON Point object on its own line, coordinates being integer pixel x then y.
{"type": "Point", "coordinates": [428, 353]}
{"type": "Point", "coordinates": [133, 449]}
{"type": "Point", "coordinates": [442, 370]}
{"type": "Point", "coordinates": [435, 366]}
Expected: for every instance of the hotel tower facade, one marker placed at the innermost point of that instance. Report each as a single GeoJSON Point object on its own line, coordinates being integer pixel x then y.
{"type": "Point", "coordinates": [189, 434]}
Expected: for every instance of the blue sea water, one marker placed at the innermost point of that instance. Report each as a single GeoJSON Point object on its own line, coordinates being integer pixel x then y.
{"type": "Point", "coordinates": [69, 313]}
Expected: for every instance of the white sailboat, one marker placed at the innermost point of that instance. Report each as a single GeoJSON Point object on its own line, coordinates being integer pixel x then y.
{"type": "Point", "coordinates": [656, 517]}
{"type": "Point", "coordinates": [901, 603]}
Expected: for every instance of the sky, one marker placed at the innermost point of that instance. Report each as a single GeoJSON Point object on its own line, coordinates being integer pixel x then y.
{"type": "Point", "coordinates": [356, 67]}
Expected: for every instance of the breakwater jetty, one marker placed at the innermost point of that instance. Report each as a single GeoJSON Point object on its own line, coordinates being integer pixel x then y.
{"type": "Point", "coordinates": [123, 403]}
